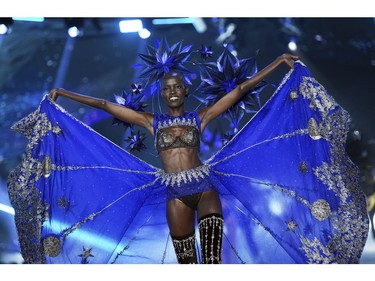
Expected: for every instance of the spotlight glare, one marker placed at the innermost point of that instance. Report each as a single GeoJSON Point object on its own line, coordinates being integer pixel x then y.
{"type": "Point", "coordinates": [356, 135]}
{"type": "Point", "coordinates": [275, 207]}
{"type": "Point", "coordinates": [200, 25]}
{"type": "Point", "coordinates": [3, 29]}
{"type": "Point", "coordinates": [318, 38]}
{"type": "Point", "coordinates": [130, 26]}
{"type": "Point", "coordinates": [292, 46]}
{"type": "Point", "coordinates": [73, 31]}
{"type": "Point", "coordinates": [6, 209]}
{"type": "Point", "coordinates": [33, 19]}
{"type": "Point", "coordinates": [144, 33]}
{"type": "Point", "coordinates": [172, 21]}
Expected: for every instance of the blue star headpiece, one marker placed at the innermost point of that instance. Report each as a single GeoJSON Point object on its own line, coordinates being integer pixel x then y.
{"type": "Point", "coordinates": [220, 77]}
{"type": "Point", "coordinates": [134, 100]}
{"type": "Point", "coordinates": [161, 59]}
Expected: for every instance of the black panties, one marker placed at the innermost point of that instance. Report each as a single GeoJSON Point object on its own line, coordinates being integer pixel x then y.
{"type": "Point", "coordinates": [191, 200]}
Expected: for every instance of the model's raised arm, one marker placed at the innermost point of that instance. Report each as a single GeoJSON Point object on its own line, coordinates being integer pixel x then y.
{"type": "Point", "coordinates": [120, 112]}
{"type": "Point", "coordinates": [209, 113]}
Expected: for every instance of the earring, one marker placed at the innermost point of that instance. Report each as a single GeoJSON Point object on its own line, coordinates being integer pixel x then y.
{"type": "Point", "coordinates": [187, 92]}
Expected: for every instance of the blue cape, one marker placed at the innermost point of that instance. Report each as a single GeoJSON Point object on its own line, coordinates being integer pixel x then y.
{"type": "Point", "coordinates": [289, 191]}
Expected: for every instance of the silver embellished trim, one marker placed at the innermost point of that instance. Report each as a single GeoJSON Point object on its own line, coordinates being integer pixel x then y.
{"type": "Point", "coordinates": [292, 225]}
{"type": "Point", "coordinates": [184, 248]}
{"type": "Point", "coordinates": [320, 100]}
{"type": "Point", "coordinates": [316, 252]}
{"type": "Point", "coordinates": [31, 211]}
{"type": "Point", "coordinates": [285, 79]}
{"type": "Point", "coordinates": [187, 176]}
{"type": "Point", "coordinates": [173, 122]}
{"type": "Point", "coordinates": [211, 235]}
{"type": "Point", "coordinates": [293, 95]}
{"type": "Point", "coordinates": [47, 166]}
{"type": "Point", "coordinates": [286, 135]}
{"type": "Point", "coordinates": [313, 129]}
{"type": "Point", "coordinates": [51, 245]}
{"type": "Point", "coordinates": [177, 121]}
{"type": "Point", "coordinates": [300, 62]}
{"type": "Point", "coordinates": [321, 210]}
{"type": "Point", "coordinates": [340, 176]}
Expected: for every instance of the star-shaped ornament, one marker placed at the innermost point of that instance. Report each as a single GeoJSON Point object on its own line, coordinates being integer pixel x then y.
{"type": "Point", "coordinates": [292, 225]}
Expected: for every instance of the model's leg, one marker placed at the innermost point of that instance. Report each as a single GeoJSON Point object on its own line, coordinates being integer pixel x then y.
{"type": "Point", "coordinates": [181, 220]}
{"type": "Point", "coordinates": [210, 224]}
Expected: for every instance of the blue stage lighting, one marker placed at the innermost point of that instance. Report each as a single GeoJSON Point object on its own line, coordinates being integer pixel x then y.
{"type": "Point", "coordinates": [172, 21]}
{"type": "Point", "coordinates": [292, 45]}
{"type": "Point", "coordinates": [74, 26]}
{"type": "Point", "coordinates": [73, 31]}
{"type": "Point", "coordinates": [6, 209]}
{"type": "Point", "coordinates": [3, 29]}
{"type": "Point", "coordinates": [33, 19]}
{"type": "Point", "coordinates": [198, 23]}
{"type": "Point", "coordinates": [144, 33]}
{"type": "Point", "coordinates": [130, 26]}
{"type": "Point", "coordinates": [5, 24]}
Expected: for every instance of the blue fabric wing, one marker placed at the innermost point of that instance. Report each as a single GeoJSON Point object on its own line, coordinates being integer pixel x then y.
{"type": "Point", "coordinates": [287, 183]}
{"type": "Point", "coordinates": [79, 198]}
{"type": "Point", "coordinates": [290, 194]}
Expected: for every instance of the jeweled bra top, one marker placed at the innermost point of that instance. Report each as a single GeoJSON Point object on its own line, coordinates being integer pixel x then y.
{"type": "Point", "coordinates": [190, 138]}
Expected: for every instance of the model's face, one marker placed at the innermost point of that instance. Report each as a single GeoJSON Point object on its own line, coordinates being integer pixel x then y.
{"type": "Point", "coordinates": [173, 91]}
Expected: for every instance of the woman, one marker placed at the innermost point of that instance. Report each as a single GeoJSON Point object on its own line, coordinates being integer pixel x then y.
{"type": "Point", "coordinates": [177, 141]}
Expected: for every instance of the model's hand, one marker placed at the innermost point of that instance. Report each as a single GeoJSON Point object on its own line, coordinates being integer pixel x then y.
{"type": "Point", "coordinates": [289, 59]}
{"type": "Point", "coordinates": [53, 94]}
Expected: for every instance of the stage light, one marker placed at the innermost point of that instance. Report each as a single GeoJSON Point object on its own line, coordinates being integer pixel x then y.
{"type": "Point", "coordinates": [318, 38]}
{"type": "Point", "coordinates": [144, 33]}
{"type": "Point", "coordinates": [5, 24]}
{"type": "Point", "coordinates": [198, 23]}
{"type": "Point", "coordinates": [130, 26]}
{"type": "Point", "coordinates": [292, 45]}
{"type": "Point", "coordinates": [226, 33]}
{"type": "Point", "coordinates": [74, 26]}
{"type": "Point", "coordinates": [73, 31]}
{"type": "Point", "coordinates": [172, 21]}
{"type": "Point", "coordinates": [356, 135]}
{"type": "Point", "coordinates": [6, 209]}
{"type": "Point", "coordinates": [275, 207]}
{"type": "Point", "coordinates": [33, 19]}
{"type": "Point", "coordinates": [3, 29]}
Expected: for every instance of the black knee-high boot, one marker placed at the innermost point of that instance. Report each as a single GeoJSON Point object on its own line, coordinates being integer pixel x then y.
{"type": "Point", "coordinates": [211, 236]}
{"type": "Point", "coordinates": [185, 248]}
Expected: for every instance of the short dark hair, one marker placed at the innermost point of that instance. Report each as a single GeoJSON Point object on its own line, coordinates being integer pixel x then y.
{"type": "Point", "coordinates": [173, 74]}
